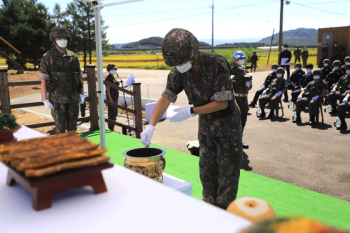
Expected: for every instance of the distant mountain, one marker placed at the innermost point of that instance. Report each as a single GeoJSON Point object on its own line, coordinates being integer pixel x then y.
{"type": "Point", "coordinates": [119, 45]}
{"type": "Point", "coordinates": [230, 41]}
{"type": "Point", "coordinates": [300, 36]}
{"type": "Point", "coordinates": [152, 42]}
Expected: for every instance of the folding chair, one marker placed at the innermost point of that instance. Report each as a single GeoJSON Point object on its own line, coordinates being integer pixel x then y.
{"type": "Point", "coordinates": [281, 108]}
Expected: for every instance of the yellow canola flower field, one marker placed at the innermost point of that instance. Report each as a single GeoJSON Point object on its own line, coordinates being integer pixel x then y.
{"type": "Point", "coordinates": [136, 57]}
{"type": "Point", "coordinates": [130, 64]}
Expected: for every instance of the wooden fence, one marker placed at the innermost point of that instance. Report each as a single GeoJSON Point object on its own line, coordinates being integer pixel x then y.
{"type": "Point", "coordinates": [6, 105]}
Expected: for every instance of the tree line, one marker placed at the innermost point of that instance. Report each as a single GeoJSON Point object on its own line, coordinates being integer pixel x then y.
{"type": "Point", "coordinates": [26, 24]}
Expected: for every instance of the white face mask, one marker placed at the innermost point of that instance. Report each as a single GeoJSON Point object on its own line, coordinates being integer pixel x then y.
{"type": "Point", "coordinates": [62, 44]}
{"type": "Point", "coordinates": [308, 71]}
{"type": "Point", "coordinates": [336, 67]}
{"type": "Point", "coordinates": [279, 75]}
{"type": "Point", "coordinates": [112, 72]}
{"type": "Point", "coordinates": [347, 71]}
{"type": "Point", "coordinates": [335, 45]}
{"type": "Point", "coordinates": [240, 62]}
{"type": "Point", "coordinates": [297, 68]}
{"type": "Point", "coordinates": [285, 48]}
{"type": "Point", "coordinates": [316, 77]}
{"type": "Point", "coordinates": [347, 63]}
{"type": "Point", "coordinates": [274, 70]}
{"type": "Point", "coordinates": [325, 64]}
{"type": "Point", "coordinates": [184, 67]}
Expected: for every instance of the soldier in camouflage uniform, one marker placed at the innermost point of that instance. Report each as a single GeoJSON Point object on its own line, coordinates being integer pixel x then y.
{"type": "Point", "coordinates": [242, 83]}
{"type": "Point", "coordinates": [339, 89]}
{"type": "Point", "coordinates": [112, 94]}
{"type": "Point", "coordinates": [205, 78]}
{"type": "Point", "coordinates": [326, 69]}
{"type": "Point", "coordinates": [342, 109]}
{"type": "Point", "coordinates": [62, 78]}
{"type": "Point", "coordinates": [347, 62]}
{"type": "Point", "coordinates": [317, 89]}
{"type": "Point", "coordinates": [273, 94]}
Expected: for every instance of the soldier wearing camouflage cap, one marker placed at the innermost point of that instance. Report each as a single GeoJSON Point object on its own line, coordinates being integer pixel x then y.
{"type": "Point", "coordinates": [339, 89]}
{"type": "Point", "coordinates": [347, 62]}
{"type": "Point", "coordinates": [62, 78]}
{"type": "Point", "coordinates": [344, 84]}
{"type": "Point", "coordinates": [295, 80]}
{"type": "Point", "coordinates": [331, 79]}
{"type": "Point", "coordinates": [112, 94]}
{"type": "Point", "coordinates": [317, 89]}
{"type": "Point", "coordinates": [273, 94]}
{"type": "Point", "coordinates": [326, 69]}
{"type": "Point", "coordinates": [266, 83]}
{"type": "Point", "coordinates": [305, 79]}
{"type": "Point", "coordinates": [205, 77]}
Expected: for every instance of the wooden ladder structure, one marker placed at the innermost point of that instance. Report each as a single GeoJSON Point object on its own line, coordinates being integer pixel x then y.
{"type": "Point", "coordinates": [20, 68]}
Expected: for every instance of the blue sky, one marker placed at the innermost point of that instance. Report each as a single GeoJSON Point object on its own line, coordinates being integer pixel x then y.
{"type": "Point", "coordinates": [232, 19]}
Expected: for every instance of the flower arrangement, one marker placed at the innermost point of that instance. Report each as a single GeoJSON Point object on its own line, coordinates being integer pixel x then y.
{"type": "Point", "coordinates": [193, 147]}
{"type": "Point", "coordinates": [7, 121]}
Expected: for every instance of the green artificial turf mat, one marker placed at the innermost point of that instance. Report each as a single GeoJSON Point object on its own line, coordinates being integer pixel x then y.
{"type": "Point", "coordinates": [286, 199]}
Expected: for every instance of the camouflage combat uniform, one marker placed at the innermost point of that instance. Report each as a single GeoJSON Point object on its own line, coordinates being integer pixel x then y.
{"type": "Point", "coordinates": [343, 84]}
{"type": "Point", "coordinates": [278, 84]}
{"type": "Point", "coordinates": [241, 92]}
{"type": "Point", "coordinates": [313, 88]}
{"type": "Point", "coordinates": [112, 111]}
{"type": "Point", "coordinates": [63, 74]}
{"type": "Point", "coordinates": [220, 133]}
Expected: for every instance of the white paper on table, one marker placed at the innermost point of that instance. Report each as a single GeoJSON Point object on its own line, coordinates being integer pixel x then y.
{"type": "Point", "coordinates": [130, 80]}
{"type": "Point", "coordinates": [284, 62]}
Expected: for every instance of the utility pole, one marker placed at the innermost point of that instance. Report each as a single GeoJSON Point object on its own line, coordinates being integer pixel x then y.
{"type": "Point", "coordinates": [212, 27]}
{"type": "Point", "coordinates": [281, 29]}
{"type": "Point", "coordinates": [273, 33]}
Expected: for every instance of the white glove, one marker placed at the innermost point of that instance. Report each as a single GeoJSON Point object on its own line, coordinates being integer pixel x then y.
{"type": "Point", "coordinates": [247, 84]}
{"type": "Point", "coordinates": [315, 98]}
{"type": "Point", "coordinates": [262, 87]}
{"type": "Point", "coordinates": [81, 98]}
{"type": "Point", "coordinates": [345, 100]}
{"type": "Point", "coordinates": [333, 91]}
{"type": "Point", "coordinates": [181, 115]}
{"type": "Point", "coordinates": [300, 97]}
{"type": "Point", "coordinates": [264, 93]}
{"type": "Point", "coordinates": [347, 92]}
{"type": "Point", "coordinates": [301, 89]}
{"type": "Point", "coordinates": [146, 135]}
{"type": "Point", "coordinates": [48, 104]}
{"type": "Point", "coordinates": [278, 94]}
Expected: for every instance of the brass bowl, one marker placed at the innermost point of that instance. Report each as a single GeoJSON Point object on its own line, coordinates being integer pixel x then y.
{"type": "Point", "coordinates": [146, 161]}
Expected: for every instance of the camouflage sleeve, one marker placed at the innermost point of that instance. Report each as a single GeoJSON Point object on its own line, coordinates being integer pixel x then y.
{"type": "Point", "coordinates": [222, 85]}
{"type": "Point", "coordinates": [44, 68]}
{"type": "Point", "coordinates": [325, 87]}
{"type": "Point", "coordinates": [173, 86]}
{"type": "Point", "coordinates": [78, 65]}
{"type": "Point", "coordinates": [307, 88]}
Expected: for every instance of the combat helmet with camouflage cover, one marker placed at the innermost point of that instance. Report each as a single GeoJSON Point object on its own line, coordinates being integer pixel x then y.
{"type": "Point", "coordinates": [336, 63]}
{"type": "Point", "coordinates": [179, 46]}
{"type": "Point", "coordinates": [280, 70]}
{"type": "Point", "coordinates": [317, 72]}
{"type": "Point", "coordinates": [111, 66]}
{"type": "Point", "coordinates": [298, 64]}
{"type": "Point", "coordinates": [58, 32]}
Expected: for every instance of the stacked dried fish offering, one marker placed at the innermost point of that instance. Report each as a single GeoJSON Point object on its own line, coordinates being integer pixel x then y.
{"type": "Point", "coordinates": [44, 156]}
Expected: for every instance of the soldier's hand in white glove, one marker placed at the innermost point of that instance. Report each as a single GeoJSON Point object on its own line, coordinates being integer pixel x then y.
{"type": "Point", "coordinates": [345, 100]}
{"type": "Point", "coordinates": [247, 84]}
{"type": "Point", "coordinates": [278, 94]}
{"type": "Point", "coordinates": [264, 93]}
{"type": "Point", "coordinates": [300, 97]}
{"type": "Point", "coordinates": [48, 104]}
{"type": "Point", "coordinates": [147, 134]}
{"type": "Point", "coordinates": [262, 87]}
{"type": "Point", "coordinates": [81, 98]}
{"type": "Point", "coordinates": [333, 91]}
{"type": "Point", "coordinates": [315, 98]}
{"type": "Point", "coordinates": [181, 114]}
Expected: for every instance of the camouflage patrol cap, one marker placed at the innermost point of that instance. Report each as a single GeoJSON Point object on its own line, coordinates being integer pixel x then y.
{"type": "Point", "coordinates": [309, 66]}
{"type": "Point", "coordinates": [347, 58]}
{"type": "Point", "coordinates": [58, 32]}
{"type": "Point", "coordinates": [347, 67]}
{"type": "Point", "coordinates": [336, 63]}
{"type": "Point", "coordinates": [327, 61]}
{"type": "Point", "coordinates": [298, 64]}
{"type": "Point", "coordinates": [111, 66]}
{"type": "Point", "coordinates": [280, 70]}
{"type": "Point", "coordinates": [179, 46]}
{"type": "Point", "coordinates": [274, 66]}
{"type": "Point", "coordinates": [317, 72]}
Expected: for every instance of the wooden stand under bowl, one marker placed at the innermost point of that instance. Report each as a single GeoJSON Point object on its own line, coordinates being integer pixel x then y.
{"type": "Point", "coordinates": [43, 189]}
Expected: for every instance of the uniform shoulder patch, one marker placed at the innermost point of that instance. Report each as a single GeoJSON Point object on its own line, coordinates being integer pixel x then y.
{"type": "Point", "coordinates": [221, 69]}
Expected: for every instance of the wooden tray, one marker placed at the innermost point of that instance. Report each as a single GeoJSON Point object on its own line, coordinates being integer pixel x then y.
{"type": "Point", "coordinates": [43, 189]}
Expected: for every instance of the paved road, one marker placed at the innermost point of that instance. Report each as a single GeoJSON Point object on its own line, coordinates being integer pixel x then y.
{"type": "Point", "coordinates": [313, 158]}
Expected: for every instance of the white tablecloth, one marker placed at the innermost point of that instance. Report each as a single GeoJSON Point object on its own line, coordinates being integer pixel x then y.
{"type": "Point", "coordinates": [133, 203]}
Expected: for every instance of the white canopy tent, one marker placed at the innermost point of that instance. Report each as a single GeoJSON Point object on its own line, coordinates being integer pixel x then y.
{"type": "Point", "coordinates": [100, 89]}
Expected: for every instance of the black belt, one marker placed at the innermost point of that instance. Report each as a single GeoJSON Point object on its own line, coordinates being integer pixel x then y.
{"type": "Point", "coordinates": [222, 113]}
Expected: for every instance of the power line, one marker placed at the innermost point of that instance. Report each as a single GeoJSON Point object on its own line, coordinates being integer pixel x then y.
{"type": "Point", "coordinates": [322, 10]}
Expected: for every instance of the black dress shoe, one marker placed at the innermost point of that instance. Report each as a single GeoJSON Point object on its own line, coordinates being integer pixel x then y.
{"type": "Point", "coordinates": [334, 111]}
{"type": "Point", "coordinates": [245, 146]}
{"type": "Point", "coordinates": [252, 105]}
{"type": "Point", "coordinates": [285, 100]}
{"type": "Point", "coordinates": [298, 120]}
{"type": "Point", "coordinates": [262, 115]}
{"type": "Point", "coordinates": [271, 115]}
{"type": "Point", "coordinates": [342, 127]}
